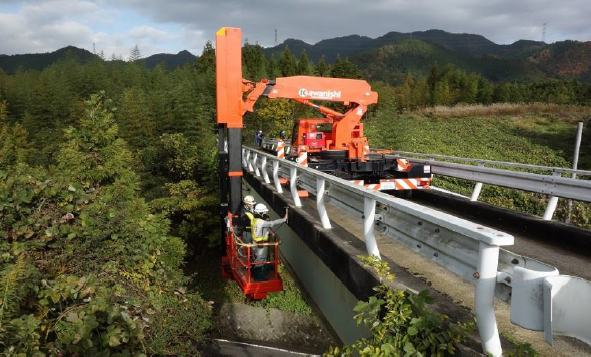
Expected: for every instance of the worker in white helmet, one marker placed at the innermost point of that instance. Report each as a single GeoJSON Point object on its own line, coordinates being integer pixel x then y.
{"type": "Point", "coordinates": [260, 234]}
{"type": "Point", "coordinates": [246, 218]}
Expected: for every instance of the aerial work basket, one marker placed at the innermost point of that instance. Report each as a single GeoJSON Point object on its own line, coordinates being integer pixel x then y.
{"type": "Point", "coordinates": [254, 266]}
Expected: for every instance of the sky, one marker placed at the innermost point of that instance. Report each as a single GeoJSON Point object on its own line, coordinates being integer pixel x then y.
{"type": "Point", "coordinates": [170, 26]}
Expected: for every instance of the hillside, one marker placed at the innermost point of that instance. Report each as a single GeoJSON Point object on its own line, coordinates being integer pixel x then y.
{"type": "Point", "coordinates": [567, 59]}
{"type": "Point", "coordinates": [349, 46]}
{"type": "Point", "coordinates": [392, 63]}
{"type": "Point", "coordinates": [170, 61]}
{"type": "Point", "coordinates": [39, 61]}
{"type": "Point", "coordinates": [392, 56]}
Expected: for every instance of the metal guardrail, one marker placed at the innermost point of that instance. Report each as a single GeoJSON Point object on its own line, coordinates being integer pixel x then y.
{"type": "Point", "coordinates": [432, 157]}
{"type": "Point", "coordinates": [470, 250]}
{"type": "Point", "coordinates": [553, 185]}
{"type": "Point", "coordinates": [545, 184]}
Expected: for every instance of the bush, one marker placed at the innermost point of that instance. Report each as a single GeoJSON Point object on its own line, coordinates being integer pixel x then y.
{"type": "Point", "coordinates": [86, 267]}
{"type": "Point", "coordinates": [401, 324]}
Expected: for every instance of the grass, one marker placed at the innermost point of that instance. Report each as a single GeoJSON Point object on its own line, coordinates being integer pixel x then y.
{"type": "Point", "coordinates": [536, 138]}
{"type": "Point", "coordinates": [521, 348]}
{"type": "Point", "coordinates": [568, 112]}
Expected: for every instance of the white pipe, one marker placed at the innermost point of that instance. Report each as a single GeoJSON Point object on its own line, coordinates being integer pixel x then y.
{"type": "Point", "coordinates": [486, 274]}
{"type": "Point", "coordinates": [264, 169]}
{"type": "Point", "coordinates": [476, 191]}
{"type": "Point", "coordinates": [369, 215]}
{"type": "Point", "coordinates": [249, 161]}
{"type": "Point", "coordinates": [575, 164]}
{"type": "Point", "coordinates": [255, 165]}
{"type": "Point", "coordinates": [293, 177]}
{"type": "Point", "coordinates": [276, 176]}
{"type": "Point", "coordinates": [552, 202]}
{"type": "Point", "coordinates": [577, 146]}
{"type": "Point", "coordinates": [550, 208]}
{"type": "Point", "coordinates": [320, 187]}
{"type": "Point", "coordinates": [477, 187]}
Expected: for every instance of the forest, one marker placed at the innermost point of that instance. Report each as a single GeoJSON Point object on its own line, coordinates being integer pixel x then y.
{"type": "Point", "coordinates": [108, 187]}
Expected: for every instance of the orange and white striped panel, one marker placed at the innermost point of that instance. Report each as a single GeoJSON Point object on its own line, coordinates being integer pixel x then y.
{"type": "Point", "coordinates": [403, 164]}
{"type": "Point", "coordinates": [406, 184]}
{"type": "Point", "coordinates": [281, 149]}
{"type": "Point", "coordinates": [394, 184]}
{"type": "Point", "coordinates": [366, 150]}
{"type": "Point", "coordinates": [303, 158]}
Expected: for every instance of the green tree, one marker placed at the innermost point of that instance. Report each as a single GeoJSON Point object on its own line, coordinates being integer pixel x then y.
{"type": "Point", "coordinates": [421, 94]}
{"type": "Point", "coordinates": [253, 60]}
{"type": "Point", "coordinates": [442, 94]}
{"type": "Point", "coordinates": [321, 68]}
{"type": "Point", "coordinates": [49, 108]}
{"type": "Point", "coordinates": [485, 91]}
{"type": "Point", "coordinates": [344, 69]}
{"type": "Point", "coordinates": [135, 54]}
{"type": "Point", "coordinates": [502, 93]}
{"type": "Point", "coordinates": [14, 146]}
{"type": "Point", "coordinates": [433, 76]}
{"type": "Point", "coordinates": [83, 217]}
{"type": "Point", "coordinates": [275, 115]}
{"type": "Point", "coordinates": [206, 62]}
{"type": "Point", "coordinates": [303, 67]}
{"type": "Point", "coordinates": [287, 63]}
{"type": "Point", "coordinates": [469, 90]}
{"type": "Point", "coordinates": [272, 67]}
{"type": "Point", "coordinates": [136, 121]}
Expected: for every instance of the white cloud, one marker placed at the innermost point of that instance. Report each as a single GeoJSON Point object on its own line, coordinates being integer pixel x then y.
{"type": "Point", "coordinates": [170, 26]}
{"type": "Point", "coordinates": [45, 26]}
{"type": "Point", "coordinates": [502, 21]}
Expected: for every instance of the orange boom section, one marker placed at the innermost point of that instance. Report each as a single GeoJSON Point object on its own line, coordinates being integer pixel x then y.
{"type": "Point", "coordinates": [347, 134]}
{"type": "Point", "coordinates": [228, 76]}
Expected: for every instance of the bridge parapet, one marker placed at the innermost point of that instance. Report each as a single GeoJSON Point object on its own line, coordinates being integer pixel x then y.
{"type": "Point", "coordinates": [488, 171]}
{"type": "Point", "coordinates": [470, 250]}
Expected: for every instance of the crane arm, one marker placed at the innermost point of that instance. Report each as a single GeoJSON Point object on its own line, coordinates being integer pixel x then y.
{"type": "Point", "coordinates": [305, 89]}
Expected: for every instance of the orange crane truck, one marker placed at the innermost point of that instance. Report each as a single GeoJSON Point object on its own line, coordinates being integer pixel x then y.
{"type": "Point", "coordinates": [335, 143]}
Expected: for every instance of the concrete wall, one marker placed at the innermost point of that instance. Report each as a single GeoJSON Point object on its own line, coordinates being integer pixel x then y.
{"type": "Point", "coordinates": [312, 265]}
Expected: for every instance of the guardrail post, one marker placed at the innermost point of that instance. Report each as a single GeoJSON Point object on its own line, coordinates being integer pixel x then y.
{"type": "Point", "coordinates": [552, 202]}
{"type": "Point", "coordinates": [248, 161]}
{"type": "Point", "coordinates": [477, 187]}
{"type": "Point", "coordinates": [264, 169]}
{"type": "Point", "coordinates": [320, 186]}
{"type": "Point", "coordinates": [293, 177]}
{"type": "Point", "coordinates": [369, 216]}
{"type": "Point", "coordinates": [575, 164]}
{"type": "Point", "coordinates": [276, 176]}
{"type": "Point", "coordinates": [486, 275]}
{"type": "Point", "coordinates": [254, 164]}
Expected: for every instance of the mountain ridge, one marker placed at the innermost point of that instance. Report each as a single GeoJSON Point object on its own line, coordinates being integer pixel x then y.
{"type": "Point", "coordinates": [382, 58]}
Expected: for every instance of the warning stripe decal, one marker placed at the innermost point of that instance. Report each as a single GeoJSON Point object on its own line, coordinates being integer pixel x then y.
{"type": "Point", "coordinates": [281, 150]}
{"type": "Point", "coordinates": [393, 184]}
{"type": "Point", "coordinates": [402, 164]}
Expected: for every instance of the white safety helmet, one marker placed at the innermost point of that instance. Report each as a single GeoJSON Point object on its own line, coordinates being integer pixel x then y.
{"type": "Point", "coordinates": [249, 200]}
{"type": "Point", "coordinates": [260, 209]}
